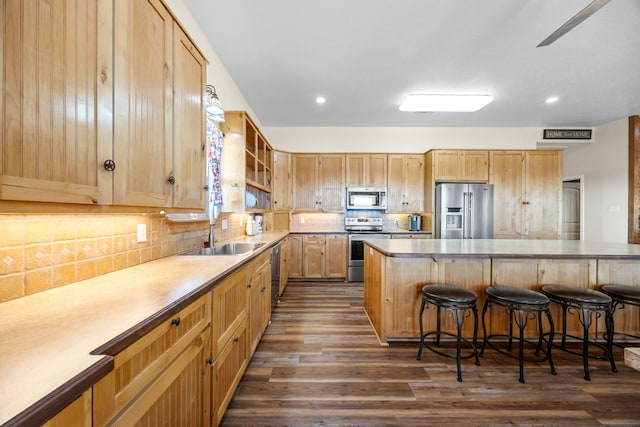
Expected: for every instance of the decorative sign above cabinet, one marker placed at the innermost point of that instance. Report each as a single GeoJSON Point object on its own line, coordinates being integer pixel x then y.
{"type": "Point", "coordinates": [567, 134]}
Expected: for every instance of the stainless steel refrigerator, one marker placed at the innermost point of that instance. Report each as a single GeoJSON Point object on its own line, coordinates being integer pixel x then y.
{"type": "Point", "coordinates": [464, 211]}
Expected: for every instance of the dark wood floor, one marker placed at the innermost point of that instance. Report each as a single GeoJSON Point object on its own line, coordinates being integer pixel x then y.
{"type": "Point", "coordinates": [320, 363]}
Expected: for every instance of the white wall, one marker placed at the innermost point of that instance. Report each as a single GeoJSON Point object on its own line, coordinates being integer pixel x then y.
{"type": "Point", "coordinates": [217, 75]}
{"type": "Point", "coordinates": [604, 165]}
{"type": "Point", "coordinates": [399, 139]}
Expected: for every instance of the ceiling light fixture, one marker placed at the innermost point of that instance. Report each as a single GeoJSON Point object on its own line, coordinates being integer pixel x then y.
{"type": "Point", "coordinates": [321, 100]}
{"type": "Point", "coordinates": [451, 103]}
{"type": "Point", "coordinates": [214, 108]}
{"type": "Point", "coordinates": [551, 100]}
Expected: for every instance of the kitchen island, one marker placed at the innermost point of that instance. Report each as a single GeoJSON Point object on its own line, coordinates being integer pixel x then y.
{"type": "Point", "coordinates": [396, 270]}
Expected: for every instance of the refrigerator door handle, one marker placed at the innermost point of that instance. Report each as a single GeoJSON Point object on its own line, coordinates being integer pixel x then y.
{"type": "Point", "coordinates": [465, 215]}
{"type": "Point", "coordinates": [470, 230]}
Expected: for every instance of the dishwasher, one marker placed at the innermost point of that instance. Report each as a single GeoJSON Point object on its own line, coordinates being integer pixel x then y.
{"type": "Point", "coordinates": [275, 274]}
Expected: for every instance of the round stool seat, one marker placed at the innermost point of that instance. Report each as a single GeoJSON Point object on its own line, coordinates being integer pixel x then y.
{"type": "Point", "coordinates": [512, 295]}
{"type": "Point", "coordinates": [622, 292]}
{"type": "Point", "coordinates": [576, 295]}
{"type": "Point", "coordinates": [449, 293]}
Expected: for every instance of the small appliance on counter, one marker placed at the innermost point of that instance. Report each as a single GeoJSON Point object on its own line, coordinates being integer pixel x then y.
{"type": "Point", "coordinates": [414, 222]}
{"type": "Point", "coordinates": [252, 226]}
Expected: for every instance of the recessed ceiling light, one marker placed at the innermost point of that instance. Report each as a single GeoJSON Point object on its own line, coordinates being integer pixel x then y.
{"type": "Point", "coordinates": [321, 100]}
{"type": "Point", "coordinates": [551, 100]}
{"type": "Point", "coordinates": [455, 103]}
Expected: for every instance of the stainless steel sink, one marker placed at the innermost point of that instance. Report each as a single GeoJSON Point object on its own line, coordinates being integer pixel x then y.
{"type": "Point", "coordinates": [227, 249]}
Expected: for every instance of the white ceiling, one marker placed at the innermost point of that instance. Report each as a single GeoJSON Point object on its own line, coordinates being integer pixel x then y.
{"type": "Point", "coordinates": [364, 56]}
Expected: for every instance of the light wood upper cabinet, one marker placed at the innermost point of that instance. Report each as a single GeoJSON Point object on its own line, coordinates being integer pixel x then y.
{"type": "Point", "coordinates": [366, 170]}
{"type": "Point", "coordinates": [461, 165]}
{"type": "Point", "coordinates": [405, 183]}
{"type": "Point", "coordinates": [143, 123]}
{"type": "Point", "coordinates": [56, 79]}
{"type": "Point", "coordinates": [319, 182]}
{"type": "Point", "coordinates": [247, 164]}
{"type": "Point", "coordinates": [527, 193]}
{"type": "Point", "coordinates": [189, 75]}
{"type": "Point", "coordinates": [282, 184]}
{"type": "Point", "coordinates": [70, 105]}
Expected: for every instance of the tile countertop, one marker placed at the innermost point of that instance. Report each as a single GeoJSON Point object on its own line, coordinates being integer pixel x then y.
{"type": "Point", "coordinates": [46, 339]}
{"type": "Point", "coordinates": [497, 248]}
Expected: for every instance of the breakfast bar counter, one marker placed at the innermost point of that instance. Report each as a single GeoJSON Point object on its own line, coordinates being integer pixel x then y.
{"type": "Point", "coordinates": [397, 269]}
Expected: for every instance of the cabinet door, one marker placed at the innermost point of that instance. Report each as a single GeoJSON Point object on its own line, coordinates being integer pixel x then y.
{"type": "Point", "coordinates": [284, 265]}
{"type": "Point", "coordinates": [259, 291]}
{"type": "Point", "coordinates": [281, 181]}
{"type": "Point", "coordinates": [395, 183]}
{"type": "Point", "coordinates": [414, 184]}
{"type": "Point", "coordinates": [543, 194]}
{"type": "Point", "coordinates": [143, 121]}
{"type": "Point", "coordinates": [331, 182]}
{"type": "Point", "coordinates": [366, 170]}
{"type": "Point", "coordinates": [229, 307]}
{"type": "Point", "coordinates": [189, 123]}
{"type": "Point", "coordinates": [506, 173]}
{"type": "Point", "coordinates": [336, 256]}
{"type": "Point", "coordinates": [475, 166]}
{"type": "Point", "coordinates": [56, 76]}
{"type": "Point", "coordinates": [447, 165]}
{"type": "Point", "coordinates": [295, 256]}
{"type": "Point", "coordinates": [228, 369]}
{"type": "Point", "coordinates": [314, 257]}
{"type": "Point", "coordinates": [232, 167]}
{"type": "Point", "coordinates": [305, 182]}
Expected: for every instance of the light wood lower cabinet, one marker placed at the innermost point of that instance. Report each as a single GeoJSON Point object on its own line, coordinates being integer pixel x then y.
{"type": "Point", "coordinates": [163, 378]}
{"type": "Point", "coordinates": [318, 256]}
{"type": "Point", "coordinates": [228, 368]}
{"type": "Point", "coordinates": [76, 414]}
{"type": "Point", "coordinates": [284, 265]}
{"type": "Point", "coordinates": [259, 299]}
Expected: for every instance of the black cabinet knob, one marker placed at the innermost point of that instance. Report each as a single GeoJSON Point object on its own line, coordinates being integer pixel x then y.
{"type": "Point", "coordinates": [171, 179]}
{"type": "Point", "coordinates": [176, 321]}
{"type": "Point", "coordinates": [109, 165]}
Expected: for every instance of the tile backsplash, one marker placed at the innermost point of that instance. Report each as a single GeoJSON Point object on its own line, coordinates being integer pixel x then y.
{"type": "Point", "coordinates": [39, 252]}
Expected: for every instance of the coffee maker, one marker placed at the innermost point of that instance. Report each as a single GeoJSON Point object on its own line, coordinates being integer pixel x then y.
{"type": "Point", "coordinates": [414, 222]}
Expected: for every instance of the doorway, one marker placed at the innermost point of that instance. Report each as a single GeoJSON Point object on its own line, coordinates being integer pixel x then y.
{"type": "Point", "coordinates": [572, 207]}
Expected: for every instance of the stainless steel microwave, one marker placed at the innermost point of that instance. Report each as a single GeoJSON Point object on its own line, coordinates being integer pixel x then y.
{"type": "Point", "coordinates": [367, 198]}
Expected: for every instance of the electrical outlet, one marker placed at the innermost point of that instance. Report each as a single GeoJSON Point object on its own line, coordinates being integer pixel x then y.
{"type": "Point", "coordinates": [224, 224]}
{"type": "Point", "coordinates": [301, 220]}
{"type": "Point", "coordinates": [142, 233]}
{"type": "Point", "coordinates": [395, 222]}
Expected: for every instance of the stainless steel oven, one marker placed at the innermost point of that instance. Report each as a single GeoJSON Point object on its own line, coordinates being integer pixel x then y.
{"type": "Point", "coordinates": [355, 266]}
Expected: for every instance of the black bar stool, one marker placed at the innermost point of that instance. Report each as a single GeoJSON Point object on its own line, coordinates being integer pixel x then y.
{"type": "Point", "coordinates": [622, 295]}
{"type": "Point", "coordinates": [588, 304]}
{"type": "Point", "coordinates": [458, 301]}
{"type": "Point", "coordinates": [528, 304]}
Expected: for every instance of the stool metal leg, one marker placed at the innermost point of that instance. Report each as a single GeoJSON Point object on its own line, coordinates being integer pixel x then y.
{"type": "Point", "coordinates": [487, 303]}
{"type": "Point", "coordinates": [438, 327]}
{"type": "Point", "coordinates": [550, 343]}
{"type": "Point", "coordinates": [521, 325]}
{"type": "Point", "coordinates": [564, 326]}
{"type": "Point", "coordinates": [459, 322]}
{"type": "Point", "coordinates": [424, 303]}
{"type": "Point", "coordinates": [475, 333]}
{"type": "Point", "coordinates": [610, 328]}
{"type": "Point", "coordinates": [585, 342]}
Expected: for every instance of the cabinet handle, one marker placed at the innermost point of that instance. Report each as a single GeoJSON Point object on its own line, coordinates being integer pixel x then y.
{"type": "Point", "coordinates": [236, 339]}
{"type": "Point", "coordinates": [209, 361]}
{"type": "Point", "coordinates": [248, 285]}
{"type": "Point", "coordinates": [176, 321]}
{"type": "Point", "coordinates": [171, 179]}
{"type": "Point", "coordinates": [109, 165]}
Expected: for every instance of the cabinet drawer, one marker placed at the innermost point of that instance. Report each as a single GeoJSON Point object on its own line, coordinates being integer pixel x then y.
{"type": "Point", "coordinates": [311, 239]}
{"type": "Point", "coordinates": [137, 366]}
{"type": "Point", "coordinates": [229, 307]}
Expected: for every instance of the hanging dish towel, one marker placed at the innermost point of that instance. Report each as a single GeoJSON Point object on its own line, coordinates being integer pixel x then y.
{"type": "Point", "coordinates": [214, 155]}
